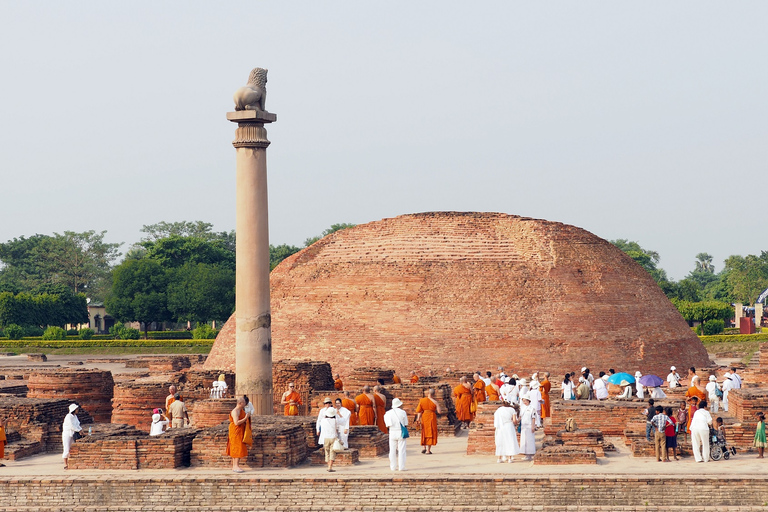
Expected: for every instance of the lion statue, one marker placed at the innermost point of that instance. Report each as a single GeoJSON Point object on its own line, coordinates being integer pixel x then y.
{"type": "Point", "coordinates": [253, 95]}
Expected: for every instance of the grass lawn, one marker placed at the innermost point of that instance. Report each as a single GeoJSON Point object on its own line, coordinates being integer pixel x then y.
{"type": "Point", "coordinates": [743, 349]}
{"type": "Point", "coordinates": [106, 350]}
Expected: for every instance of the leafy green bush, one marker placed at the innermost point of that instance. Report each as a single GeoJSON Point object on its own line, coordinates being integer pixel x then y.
{"type": "Point", "coordinates": [711, 327]}
{"type": "Point", "coordinates": [85, 334]}
{"type": "Point", "coordinates": [32, 330]}
{"type": "Point", "coordinates": [121, 332]}
{"type": "Point", "coordinates": [102, 343]}
{"type": "Point", "coordinates": [204, 332]}
{"type": "Point", "coordinates": [54, 333]}
{"type": "Point", "coordinates": [731, 330]}
{"type": "Point", "coordinates": [14, 332]}
{"type": "Point", "coordinates": [72, 332]}
{"type": "Point", "coordinates": [169, 335]}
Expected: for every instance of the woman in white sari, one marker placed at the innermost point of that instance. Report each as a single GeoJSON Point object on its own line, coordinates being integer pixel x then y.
{"type": "Point", "coordinates": [504, 421]}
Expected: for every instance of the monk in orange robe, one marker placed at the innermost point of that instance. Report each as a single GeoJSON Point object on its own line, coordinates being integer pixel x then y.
{"type": "Point", "coordinates": [365, 401]}
{"type": "Point", "coordinates": [236, 448]}
{"type": "Point", "coordinates": [396, 378]}
{"type": "Point", "coordinates": [381, 408]}
{"type": "Point", "coordinates": [492, 392]}
{"type": "Point", "coordinates": [291, 400]}
{"type": "Point", "coordinates": [695, 391]}
{"type": "Point", "coordinates": [351, 406]}
{"type": "Point", "coordinates": [463, 394]}
{"type": "Point", "coordinates": [426, 415]}
{"type": "Point", "coordinates": [3, 440]}
{"type": "Point", "coordinates": [546, 386]}
{"type": "Point", "coordinates": [479, 388]}
{"type": "Point", "coordinates": [414, 377]}
{"type": "Point", "coordinates": [337, 384]}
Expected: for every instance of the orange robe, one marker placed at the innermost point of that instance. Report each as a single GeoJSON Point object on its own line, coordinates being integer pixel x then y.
{"type": "Point", "coordinates": [349, 405]}
{"type": "Point", "coordinates": [694, 391]}
{"type": "Point", "coordinates": [396, 379]}
{"type": "Point", "coordinates": [463, 399]}
{"type": "Point", "coordinates": [365, 416]}
{"type": "Point", "coordinates": [2, 442]}
{"type": "Point", "coordinates": [691, 411]}
{"type": "Point", "coordinates": [546, 386]}
{"type": "Point", "coordinates": [381, 408]}
{"type": "Point", "coordinates": [479, 391]}
{"type": "Point", "coordinates": [236, 448]}
{"type": "Point", "coordinates": [292, 410]}
{"type": "Point", "coordinates": [492, 393]}
{"type": "Point", "coordinates": [428, 409]}
{"type": "Point", "coordinates": [414, 379]}
{"type": "Point", "coordinates": [338, 385]}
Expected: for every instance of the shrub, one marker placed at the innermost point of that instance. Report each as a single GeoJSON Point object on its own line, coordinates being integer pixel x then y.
{"type": "Point", "coordinates": [72, 332]}
{"type": "Point", "coordinates": [204, 332]}
{"type": "Point", "coordinates": [54, 333]}
{"type": "Point", "coordinates": [121, 332]}
{"type": "Point", "coordinates": [32, 330]}
{"type": "Point", "coordinates": [14, 332]}
{"type": "Point", "coordinates": [169, 335]}
{"type": "Point", "coordinates": [85, 334]}
{"type": "Point", "coordinates": [711, 327]}
{"type": "Point", "coordinates": [735, 338]}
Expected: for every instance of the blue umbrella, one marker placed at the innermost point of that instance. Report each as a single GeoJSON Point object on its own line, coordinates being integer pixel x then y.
{"type": "Point", "coordinates": [616, 378]}
{"type": "Point", "coordinates": [651, 381]}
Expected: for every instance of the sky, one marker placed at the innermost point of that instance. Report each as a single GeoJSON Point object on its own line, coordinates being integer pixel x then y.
{"type": "Point", "coordinates": [637, 120]}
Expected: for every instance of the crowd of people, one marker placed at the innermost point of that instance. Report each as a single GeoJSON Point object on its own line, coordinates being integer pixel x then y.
{"type": "Point", "coordinates": [524, 405]}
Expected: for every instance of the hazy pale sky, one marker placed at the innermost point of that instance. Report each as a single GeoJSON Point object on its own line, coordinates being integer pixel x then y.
{"type": "Point", "coordinates": [642, 120]}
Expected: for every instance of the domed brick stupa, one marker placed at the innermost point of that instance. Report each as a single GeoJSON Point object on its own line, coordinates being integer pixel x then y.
{"type": "Point", "coordinates": [470, 291]}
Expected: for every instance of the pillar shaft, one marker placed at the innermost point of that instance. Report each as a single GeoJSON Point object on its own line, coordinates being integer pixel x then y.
{"type": "Point", "coordinates": [253, 346]}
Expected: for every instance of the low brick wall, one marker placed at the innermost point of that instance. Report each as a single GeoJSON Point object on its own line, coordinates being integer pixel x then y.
{"type": "Point", "coordinates": [744, 403]}
{"type": "Point", "coordinates": [559, 455]}
{"type": "Point", "coordinates": [90, 389]}
{"type": "Point", "coordinates": [609, 416]}
{"type": "Point", "coordinates": [369, 441]}
{"type": "Point", "coordinates": [402, 492]}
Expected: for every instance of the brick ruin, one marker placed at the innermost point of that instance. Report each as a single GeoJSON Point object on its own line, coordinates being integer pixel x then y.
{"type": "Point", "coordinates": [470, 290]}
{"type": "Point", "coordinates": [90, 389]}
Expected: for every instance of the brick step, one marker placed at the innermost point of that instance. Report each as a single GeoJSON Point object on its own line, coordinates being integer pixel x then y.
{"type": "Point", "coordinates": [21, 449]}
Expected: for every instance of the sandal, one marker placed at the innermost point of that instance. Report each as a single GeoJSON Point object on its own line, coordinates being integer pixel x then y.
{"type": "Point", "coordinates": [424, 450]}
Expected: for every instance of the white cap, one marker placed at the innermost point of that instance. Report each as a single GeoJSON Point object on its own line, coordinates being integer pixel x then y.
{"type": "Point", "coordinates": [638, 374]}
{"type": "Point", "coordinates": [155, 418]}
{"type": "Point", "coordinates": [712, 378]}
{"type": "Point", "coordinates": [72, 407]}
{"type": "Point", "coordinates": [727, 375]}
{"type": "Point", "coordinates": [330, 412]}
{"type": "Point", "coordinates": [672, 368]}
{"type": "Point", "coordinates": [605, 377]}
{"type": "Point", "coordinates": [525, 396]}
{"type": "Point", "coordinates": [396, 402]}
{"type": "Point", "coordinates": [583, 368]}
{"type": "Point", "coordinates": [523, 382]}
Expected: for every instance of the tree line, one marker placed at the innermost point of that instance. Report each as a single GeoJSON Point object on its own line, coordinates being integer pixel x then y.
{"type": "Point", "coordinates": [178, 272]}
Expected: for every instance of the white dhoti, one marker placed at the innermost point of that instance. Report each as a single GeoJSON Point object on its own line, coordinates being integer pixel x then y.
{"type": "Point", "coordinates": [66, 439]}
{"type": "Point", "coordinates": [397, 454]}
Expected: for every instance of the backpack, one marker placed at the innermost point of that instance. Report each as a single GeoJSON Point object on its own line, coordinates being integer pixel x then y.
{"type": "Point", "coordinates": [570, 425]}
{"type": "Point", "coordinates": [718, 392]}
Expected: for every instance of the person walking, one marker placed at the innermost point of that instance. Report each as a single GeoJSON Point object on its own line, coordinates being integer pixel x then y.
{"type": "Point", "coordinates": [505, 420]}
{"type": "Point", "coordinates": [700, 424]}
{"type": "Point", "coordinates": [713, 393]}
{"type": "Point", "coordinates": [68, 429]}
{"type": "Point", "coordinates": [396, 421]}
{"type": "Point", "coordinates": [426, 416]}
{"type": "Point", "coordinates": [329, 432]}
{"type": "Point", "coordinates": [237, 448]}
{"type": "Point", "coordinates": [527, 427]}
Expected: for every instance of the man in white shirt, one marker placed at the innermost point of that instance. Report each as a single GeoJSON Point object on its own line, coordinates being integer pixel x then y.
{"type": "Point", "coordinates": [487, 378]}
{"type": "Point", "coordinates": [727, 387]}
{"type": "Point", "coordinates": [327, 402]}
{"type": "Point", "coordinates": [342, 418]}
{"type": "Point", "coordinates": [395, 419]}
{"type": "Point", "coordinates": [673, 379]}
{"type": "Point", "coordinates": [712, 397]}
{"type": "Point", "coordinates": [600, 387]}
{"type": "Point", "coordinates": [506, 389]}
{"type": "Point", "coordinates": [736, 379]}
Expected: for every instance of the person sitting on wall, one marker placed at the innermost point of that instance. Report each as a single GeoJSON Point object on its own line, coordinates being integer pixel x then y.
{"type": "Point", "coordinates": [291, 400]}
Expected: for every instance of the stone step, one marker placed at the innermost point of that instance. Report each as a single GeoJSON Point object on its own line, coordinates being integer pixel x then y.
{"type": "Point", "coordinates": [345, 458]}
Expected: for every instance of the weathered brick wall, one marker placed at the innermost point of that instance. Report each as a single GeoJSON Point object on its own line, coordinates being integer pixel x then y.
{"type": "Point", "coordinates": [470, 290]}
{"type": "Point", "coordinates": [744, 403]}
{"type": "Point", "coordinates": [515, 492]}
{"type": "Point", "coordinates": [134, 400]}
{"type": "Point", "coordinates": [610, 417]}
{"type": "Point", "coordinates": [482, 435]}
{"type": "Point", "coordinates": [360, 377]}
{"type": "Point", "coordinates": [90, 389]}
{"type": "Point", "coordinates": [211, 412]}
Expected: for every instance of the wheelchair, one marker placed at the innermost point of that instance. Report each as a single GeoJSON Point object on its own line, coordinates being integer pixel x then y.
{"type": "Point", "coordinates": [717, 447]}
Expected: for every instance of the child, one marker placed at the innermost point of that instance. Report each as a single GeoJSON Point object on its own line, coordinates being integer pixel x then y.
{"type": "Point", "coordinates": [691, 411]}
{"type": "Point", "coordinates": [721, 435]}
{"type": "Point", "coordinates": [760, 442]}
{"type": "Point", "coordinates": [682, 418]}
{"type": "Point", "coordinates": [671, 433]}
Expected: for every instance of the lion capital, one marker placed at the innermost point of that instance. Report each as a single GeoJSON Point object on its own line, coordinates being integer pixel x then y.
{"type": "Point", "coordinates": [254, 94]}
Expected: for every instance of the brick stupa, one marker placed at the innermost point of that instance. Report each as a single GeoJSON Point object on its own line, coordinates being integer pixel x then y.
{"type": "Point", "coordinates": [470, 291]}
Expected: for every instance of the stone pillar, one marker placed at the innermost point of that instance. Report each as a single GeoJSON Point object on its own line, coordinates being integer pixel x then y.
{"type": "Point", "coordinates": [758, 314]}
{"type": "Point", "coordinates": [738, 310]}
{"type": "Point", "coordinates": [253, 348]}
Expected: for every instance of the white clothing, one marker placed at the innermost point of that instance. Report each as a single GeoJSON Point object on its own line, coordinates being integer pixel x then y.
{"type": "Point", "coordinates": [658, 393]}
{"type": "Point", "coordinates": [68, 429]}
{"type": "Point", "coordinates": [627, 392]}
{"type": "Point", "coordinates": [522, 390]}
{"type": "Point", "coordinates": [505, 391]}
{"type": "Point", "coordinates": [567, 389]}
{"type": "Point", "coordinates": [640, 390]}
{"type": "Point", "coordinates": [486, 380]}
{"type": "Point", "coordinates": [329, 429]}
{"type": "Point", "coordinates": [536, 401]}
{"type": "Point", "coordinates": [700, 443]}
{"type": "Point", "coordinates": [342, 418]}
{"type": "Point", "coordinates": [249, 409]}
{"type": "Point", "coordinates": [694, 379]}
{"type": "Point", "coordinates": [701, 419]}
{"type": "Point", "coordinates": [727, 386]}
{"type": "Point", "coordinates": [393, 419]}
{"type": "Point", "coordinates": [601, 390]}
{"type": "Point", "coordinates": [527, 437]}
{"type": "Point", "coordinates": [714, 400]}
{"type": "Point", "coordinates": [157, 427]}
{"type": "Point", "coordinates": [736, 381]}
{"type": "Point", "coordinates": [219, 389]}
{"type": "Point", "coordinates": [673, 379]}
{"type": "Point", "coordinates": [506, 436]}
{"type": "Point", "coordinates": [319, 423]}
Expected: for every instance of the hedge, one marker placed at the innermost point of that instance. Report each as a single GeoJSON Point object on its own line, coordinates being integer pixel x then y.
{"type": "Point", "coordinates": [732, 338]}
{"type": "Point", "coordinates": [76, 343]}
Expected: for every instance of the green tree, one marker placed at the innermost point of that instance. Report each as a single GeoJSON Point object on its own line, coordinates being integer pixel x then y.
{"type": "Point", "coordinates": [196, 229]}
{"type": "Point", "coordinates": [278, 253]}
{"type": "Point", "coordinates": [328, 231]}
{"type": "Point", "coordinates": [175, 251]}
{"type": "Point", "coordinates": [649, 261]}
{"type": "Point", "coordinates": [139, 292]}
{"type": "Point", "coordinates": [746, 276]}
{"type": "Point", "coordinates": [688, 289]}
{"type": "Point", "coordinates": [199, 292]}
{"type": "Point", "coordinates": [704, 310]}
